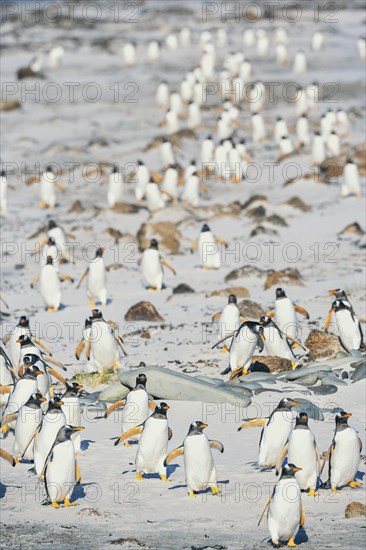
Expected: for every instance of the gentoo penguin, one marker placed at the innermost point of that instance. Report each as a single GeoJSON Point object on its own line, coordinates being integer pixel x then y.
{"type": "Point", "coordinates": [361, 47]}
{"type": "Point", "coordinates": [50, 289]}
{"type": "Point", "coordinates": [115, 187]}
{"type": "Point", "coordinates": [317, 41]}
{"type": "Point", "coordinates": [154, 198]}
{"type": "Point", "coordinates": [262, 45]}
{"type": "Point", "coordinates": [142, 179]}
{"type": "Point", "coordinates": [191, 190]}
{"type": "Point", "coordinates": [285, 514]}
{"type": "Point", "coordinates": [349, 329]}
{"type": "Point", "coordinates": [208, 248]}
{"type": "Point", "coordinates": [344, 454]}
{"type": "Point", "coordinates": [8, 377]}
{"type": "Point", "coordinates": [103, 344]}
{"type": "Point", "coordinates": [176, 103]}
{"type": "Point", "coordinates": [151, 266]}
{"type": "Point", "coordinates": [172, 122]}
{"type": "Point", "coordinates": [286, 147]}
{"type": "Point", "coordinates": [129, 53]}
{"type": "Point", "coordinates": [60, 471]}
{"type": "Point", "coordinates": [11, 338]}
{"type": "Point", "coordinates": [318, 149]}
{"type": "Point", "coordinates": [185, 36]}
{"type": "Point", "coordinates": [189, 170]}
{"type": "Point", "coordinates": [29, 348]}
{"type": "Point", "coordinates": [275, 432]}
{"type": "Point", "coordinates": [72, 410]}
{"type": "Point", "coordinates": [55, 57]}
{"type": "Point", "coordinates": [162, 94]}
{"type": "Point", "coordinates": [43, 380]}
{"type": "Point", "coordinates": [300, 63]}
{"type": "Point", "coordinates": [207, 152]}
{"type": "Point", "coordinates": [166, 153]}
{"type": "Point", "coordinates": [170, 183]}
{"type": "Point", "coordinates": [186, 90]}
{"type": "Point", "coordinates": [8, 457]}
{"type": "Point", "coordinates": [194, 120]}
{"type": "Point", "coordinates": [282, 57]}
{"type": "Point", "coordinates": [153, 50]}
{"type": "Point", "coordinates": [342, 122]}
{"type": "Point", "coordinates": [302, 130]}
{"type": "Point", "coordinates": [28, 419]}
{"type": "Point", "coordinates": [23, 389]}
{"type": "Point", "coordinates": [258, 128]}
{"type": "Point", "coordinates": [47, 188]}
{"type": "Point", "coordinates": [50, 249]}
{"type": "Point", "coordinates": [275, 341]}
{"type": "Point", "coordinates": [153, 443]}
{"type": "Point", "coordinates": [60, 237]}
{"type": "Point", "coordinates": [302, 102]}
{"type": "Point", "coordinates": [281, 36]}
{"type": "Point", "coordinates": [136, 407]}
{"type": "Point", "coordinates": [47, 432]}
{"type": "Point", "coordinates": [284, 313]}
{"type": "Point", "coordinates": [229, 321]}
{"type": "Point", "coordinates": [301, 449]}
{"type": "Point", "coordinates": [86, 336]}
{"type": "Point", "coordinates": [171, 42]}
{"type": "Point", "coordinates": [249, 37]}
{"type": "Point", "coordinates": [280, 130]}
{"type": "Point", "coordinates": [245, 340]}
{"type": "Point", "coordinates": [96, 283]}
{"type": "Point", "coordinates": [351, 180]}
{"type": "Point", "coordinates": [3, 190]}
{"type": "Point", "coordinates": [340, 294]}
{"type": "Point", "coordinates": [333, 144]}
{"type": "Point", "coordinates": [199, 464]}
{"type": "Point", "coordinates": [32, 71]}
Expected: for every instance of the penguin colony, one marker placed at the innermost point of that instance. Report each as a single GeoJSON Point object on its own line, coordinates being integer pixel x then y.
{"type": "Point", "coordinates": [46, 424]}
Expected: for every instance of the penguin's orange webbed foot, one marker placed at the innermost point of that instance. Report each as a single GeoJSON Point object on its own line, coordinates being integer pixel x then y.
{"type": "Point", "coordinates": [354, 484]}
{"type": "Point", "coordinates": [5, 429]}
{"type": "Point", "coordinates": [163, 477]}
{"type": "Point", "coordinates": [312, 493]}
{"type": "Point", "coordinates": [334, 490]}
{"type": "Point", "coordinates": [224, 350]}
{"type": "Point", "coordinates": [42, 204]}
{"type": "Point", "coordinates": [55, 504]}
{"type": "Point", "coordinates": [127, 444]}
{"type": "Point", "coordinates": [139, 476]}
{"type": "Point", "coordinates": [215, 490]}
{"type": "Point", "coordinates": [191, 493]}
{"type": "Point", "coordinates": [67, 503]}
{"type": "Point", "coordinates": [291, 543]}
{"type": "Point", "coordinates": [91, 303]}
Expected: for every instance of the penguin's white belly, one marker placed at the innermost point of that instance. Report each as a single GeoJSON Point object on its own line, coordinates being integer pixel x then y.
{"type": "Point", "coordinates": [14, 348]}
{"type": "Point", "coordinates": [170, 185]}
{"type": "Point", "coordinates": [48, 194]}
{"type": "Point", "coordinates": [103, 346]}
{"type": "Point", "coordinates": [45, 438]}
{"type": "Point", "coordinates": [72, 411]}
{"type": "Point", "coordinates": [52, 251]}
{"type": "Point", "coordinates": [58, 235]}
{"type": "Point", "coordinates": [345, 458]}
{"type": "Point", "coordinates": [151, 269]}
{"type": "Point", "coordinates": [50, 287]}
{"type": "Point", "coordinates": [275, 345]}
{"type": "Point", "coordinates": [5, 380]}
{"type": "Point", "coordinates": [348, 330]}
{"type": "Point", "coordinates": [274, 438]}
{"type": "Point", "coordinates": [153, 197]}
{"type": "Point", "coordinates": [285, 510]}
{"type": "Point", "coordinates": [285, 316]}
{"type": "Point", "coordinates": [27, 421]}
{"type": "Point", "coordinates": [153, 446]}
{"type": "Point", "coordinates": [22, 392]}
{"type": "Point", "coordinates": [302, 453]}
{"type": "Point", "coordinates": [135, 411]}
{"type": "Point", "coordinates": [60, 473]}
{"type": "Point", "coordinates": [209, 251]}
{"type": "Point", "coordinates": [115, 192]}
{"type": "Point", "coordinates": [191, 192]}
{"type": "Point", "coordinates": [229, 322]}
{"type": "Point", "coordinates": [198, 463]}
{"type": "Point", "coordinates": [43, 384]}
{"type": "Point", "coordinates": [97, 280]}
{"type": "Point", "coordinates": [242, 349]}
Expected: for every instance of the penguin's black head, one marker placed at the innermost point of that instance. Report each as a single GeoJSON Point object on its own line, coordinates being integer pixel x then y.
{"type": "Point", "coordinates": [96, 314]}
{"type": "Point", "coordinates": [284, 137]}
{"type": "Point", "coordinates": [165, 139]}
{"type": "Point", "coordinates": [302, 419]}
{"type": "Point", "coordinates": [242, 141]}
{"type": "Point", "coordinates": [55, 403]}
{"type": "Point", "coordinates": [51, 224]}
{"type": "Point", "coordinates": [193, 162]}
{"type": "Point", "coordinates": [287, 404]}
{"type": "Point", "coordinates": [209, 136]}
{"type": "Point", "coordinates": [141, 380]}
{"type": "Point", "coordinates": [196, 427]}
{"type": "Point", "coordinates": [31, 372]}
{"type": "Point", "coordinates": [161, 409]}
{"type": "Point", "coordinates": [317, 133]}
{"type": "Point", "coordinates": [279, 118]}
{"type": "Point", "coordinates": [65, 433]}
{"type": "Point", "coordinates": [154, 244]}
{"type": "Point", "coordinates": [151, 180]}
{"type": "Point", "coordinates": [289, 470]}
{"type": "Point", "coordinates": [333, 132]}
{"type": "Point", "coordinates": [339, 293]}
{"type": "Point", "coordinates": [51, 241]}
{"type": "Point", "coordinates": [23, 322]}
{"type": "Point", "coordinates": [280, 293]}
{"type": "Point", "coordinates": [342, 417]}
{"type": "Point", "coordinates": [114, 169]}
{"type": "Point", "coordinates": [3, 174]}
{"type": "Point", "coordinates": [49, 260]}
{"type": "Point", "coordinates": [30, 359]}
{"type": "Point", "coordinates": [35, 400]}
{"type": "Point", "coordinates": [24, 340]}
{"type": "Point", "coordinates": [87, 323]}
{"type": "Point", "coordinates": [73, 390]}
{"type": "Point", "coordinates": [49, 169]}
{"type": "Point", "coordinates": [265, 320]}
{"type": "Point", "coordinates": [232, 299]}
{"type": "Point", "coordinates": [349, 161]}
{"type": "Point", "coordinates": [99, 252]}
{"type": "Point", "coordinates": [205, 228]}
{"type": "Point", "coordinates": [140, 163]}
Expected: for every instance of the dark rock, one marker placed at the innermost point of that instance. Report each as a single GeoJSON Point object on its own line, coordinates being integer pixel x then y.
{"type": "Point", "coordinates": [353, 229]}
{"type": "Point", "coordinates": [238, 291]}
{"type": "Point", "coordinates": [276, 220]}
{"type": "Point", "coordinates": [126, 208]}
{"type": "Point", "coordinates": [272, 363]}
{"type": "Point", "coordinates": [250, 309]}
{"type": "Point", "coordinates": [245, 271]}
{"type": "Point", "coordinates": [252, 199]}
{"type": "Point", "coordinates": [76, 208]}
{"type": "Point", "coordinates": [324, 390]}
{"type": "Point", "coordinates": [143, 311]}
{"type": "Point", "coordinates": [257, 212]}
{"type": "Point", "coordinates": [288, 276]}
{"type": "Point", "coordinates": [322, 344]}
{"type": "Point", "coordinates": [354, 510]}
{"type": "Point", "coordinates": [298, 203]}
{"type": "Point", "coordinates": [359, 373]}
{"type": "Point", "coordinates": [166, 232]}
{"type": "Point", "coordinates": [262, 230]}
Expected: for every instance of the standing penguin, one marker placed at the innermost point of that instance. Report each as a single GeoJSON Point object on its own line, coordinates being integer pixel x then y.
{"type": "Point", "coordinates": [208, 248]}
{"type": "Point", "coordinates": [276, 342]}
{"type": "Point", "coordinates": [275, 433]}
{"type": "Point", "coordinates": [96, 279]}
{"type": "Point", "coordinates": [28, 419]}
{"type": "Point", "coordinates": [8, 377]}
{"type": "Point", "coordinates": [245, 339]}
{"type": "Point", "coordinates": [51, 249]}
{"type": "Point", "coordinates": [49, 280]}
{"type": "Point", "coordinates": [3, 190]}
{"type": "Point", "coordinates": [191, 191]}
{"type": "Point", "coordinates": [141, 181]}
{"type": "Point", "coordinates": [151, 265]}
{"type": "Point", "coordinates": [115, 187]}
{"type": "Point", "coordinates": [153, 443]}
{"type": "Point", "coordinates": [154, 198]}
{"type": "Point", "coordinates": [349, 329]}
{"type": "Point", "coordinates": [47, 188]}
{"type": "Point", "coordinates": [351, 180]}
{"type": "Point", "coordinates": [60, 469]}
{"type": "Point", "coordinates": [285, 510]}
{"type": "Point", "coordinates": [301, 449]}
{"type": "Point", "coordinates": [136, 407]}
{"type": "Point", "coordinates": [170, 183]}
{"type": "Point", "coordinates": [199, 465]}
{"type": "Point", "coordinates": [11, 338]}
{"type": "Point", "coordinates": [60, 237]}
{"type": "Point", "coordinates": [166, 153]}
{"type": "Point", "coordinates": [47, 432]}
{"type": "Point", "coordinates": [284, 313]}
{"type": "Point", "coordinates": [86, 336]}
{"type": "Point", "coordinates": [28, 348]}
{"type": "Point", "coordinates": [229, 320]}
{"type": "Point", "coordinates": [103, 344]}
{"type": "Point", "coordinates": [344, 454]}
{"type": "Point", "coordinates": [72, 410]}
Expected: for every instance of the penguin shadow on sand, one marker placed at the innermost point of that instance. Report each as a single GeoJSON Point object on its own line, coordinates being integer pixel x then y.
{"type": "Point", "coordinates": [85, 444]}
{"type": "Point", "coordinates": [2, 490]}
{"type": "Point", "coordinates": [79, 491]}
{"type": "Point", "coordinates": [207, 490]}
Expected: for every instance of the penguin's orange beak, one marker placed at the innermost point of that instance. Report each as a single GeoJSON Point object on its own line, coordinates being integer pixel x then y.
{"type": "Point", "coordinates": [18, 341]}
{"type": "Point", "coordinates": [297, 469]}
{"type": "Point", "coordinates": [38, 372]}
{"type": "Point", "coordinates": [41, 399]}
{"type": "Point", "coordinates": [333, 291]}
{"type": "Point", "coordinates": [166, 408]}
{"type": "Point", "coordinates": [77, 428]}
{"type": "Point", "coordinates": [346, 415]}
{"type": "Point", "coordinates": [295, 402]}
{"type": "Point", "coordinates": [203, 426]}
{"type": "Point", "coordinates": [59, 403]}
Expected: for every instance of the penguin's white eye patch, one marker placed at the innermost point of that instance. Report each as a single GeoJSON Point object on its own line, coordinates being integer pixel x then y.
{"type": "Point", "coordinates": [194, 424]}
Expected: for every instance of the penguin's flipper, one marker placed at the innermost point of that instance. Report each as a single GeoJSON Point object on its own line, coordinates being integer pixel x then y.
{"type": "Point", "coordinates": [8, 457]}
{"type": "Point", "coordinates": [271, 313]}
{"type": "Point", "coordinates": [120, 343]}
{"type": "Point", "coordinates": [60, 187]}
{"type": "Point", "coordinates": [87, 349]}
{"type": "Point", "coordinates": [223, 339]}
{"type": "Point", "coordinates": [360, 444]}
{"type": "Point", "coordinates": [280, 458]}
{"type": "Point", "coordinates": [217, 316]}
{"type": "Point", "coordinates": [79, 349]}
{"type": "Point", "coordinates": [35, 432]}
{"type": "Point", "coordinates": [54, 373]}
{"type": "Point", "coordinates": [152, 405]}
{"type": "Point", "coordinates": [64, 277]}
{"type": "Point", "coordinates": [39, 245]}
{"type": "Point", "coordinates": [164, 262]}
{"type": "Point", "coordinates": [82, 278]}
{"type": "Point", "coordinates": [243, 319]}
{"type": "Point", "coordinates": [113, 407]}
{"type": "Point", "coordinates": [302, 517]}
{"type": "Point", "coordinates": [260, 342]}
{"type": "Point", "coordinates": [40, 342]}
{"type": "Point", "coordinates": [328, 319]}
{"type": "Point", "coordinates": [226, 371]}
{"type": "Point", "coordinates": [327, 457]}
{"type": "Point", "coordinates": [302, 310]}
{"type": "Point", "coordinates": [264, 510]}
{"type": "Point", "coordinates": [3, 301]}
{"type": "Point", "coordinates": [174, 454]}
{"type": "Point", "coordinates": [194, 246]}
{"type": "Point", "coordinates": [214, 444]}
{"type": "Point", "coordinates": [293, 341]}
{"type": "Point", "coordinates": [6, 337]}
{"type": "Point", "coordinates": [50, 359]}
{"type": "Point", "coordinates": [221, 241]}
{"type": "Point", "coordinates": [256, 422]}
{"type": "Point", "coordinates": [35, 280]}
{"type": "Point", "coordinates": [9, 418]}
{"type": "Point", "coordinates": [125, 436]}
{"type": "Point", "coordinates": [170, 433]}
